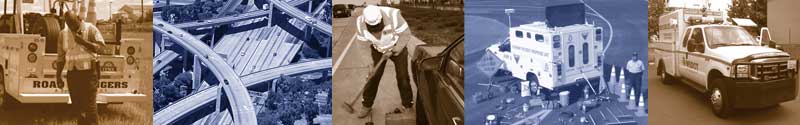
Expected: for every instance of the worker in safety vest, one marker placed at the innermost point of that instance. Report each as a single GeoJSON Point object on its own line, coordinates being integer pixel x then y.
{"type": "Point", "coordinates": [79, 43]}
{"type": "Point", "coordinates": [387, 32]}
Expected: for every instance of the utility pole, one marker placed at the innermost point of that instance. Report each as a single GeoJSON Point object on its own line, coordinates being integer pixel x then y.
{"type": "Point", "coordinates": [111, 15]}
{"type": "Point", "coordinates": [142, 6]}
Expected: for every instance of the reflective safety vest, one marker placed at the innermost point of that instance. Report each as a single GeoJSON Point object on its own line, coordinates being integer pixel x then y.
{"type": "Point", "coordinates": [76, 55]}
{"type": "Point", "coordinates": [394, 25]}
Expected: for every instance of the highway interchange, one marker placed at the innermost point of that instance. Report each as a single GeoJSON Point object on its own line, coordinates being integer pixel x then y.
{"type": "Point", "coordinates": [222, 61]}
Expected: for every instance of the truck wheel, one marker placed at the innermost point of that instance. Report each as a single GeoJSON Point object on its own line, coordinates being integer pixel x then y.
{"type": "Point", "coordinates": [662, 73]}
{"type": "Point", "coordinates": [720, 99]}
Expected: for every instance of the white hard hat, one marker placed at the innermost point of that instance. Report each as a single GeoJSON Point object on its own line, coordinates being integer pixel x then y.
{"type": "Point", "coordinates": [372, 15]}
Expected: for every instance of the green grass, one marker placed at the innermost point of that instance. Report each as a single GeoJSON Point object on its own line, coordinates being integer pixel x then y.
{"type": "Point", "coordinates": [435, 27]}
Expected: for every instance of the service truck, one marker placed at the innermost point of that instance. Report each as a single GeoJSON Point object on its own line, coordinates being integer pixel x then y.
{"type": "Point", "coordinates": [555, 55]}
{"type": "Point", "coordinates": [699, 47]}
{"type": "Point", "coordinates": [28, 51]}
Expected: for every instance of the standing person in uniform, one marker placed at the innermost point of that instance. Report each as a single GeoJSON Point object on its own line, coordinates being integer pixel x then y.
{"type": "Point", "coordinates": [386, 31]}
{"type": "Point", "coordinates": [635, 68]}
{"type": "Point", "coordinates": [78, 44]}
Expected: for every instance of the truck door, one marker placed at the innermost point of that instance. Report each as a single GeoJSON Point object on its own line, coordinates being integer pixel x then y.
{"type": "Point", "coordinates": [682, 55]}
{"type": "Point", "coordinates": [694, 59]}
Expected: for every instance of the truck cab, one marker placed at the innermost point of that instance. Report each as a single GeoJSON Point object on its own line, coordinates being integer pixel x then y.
{"type": "Point", "coordinates": [724, 61]}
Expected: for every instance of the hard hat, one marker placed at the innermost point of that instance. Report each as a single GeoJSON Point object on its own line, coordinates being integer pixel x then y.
{"type": "Point", "coordinates": [372, 15]}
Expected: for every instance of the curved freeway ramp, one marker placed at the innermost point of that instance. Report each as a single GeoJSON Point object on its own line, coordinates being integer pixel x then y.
{"type": "Point", "coordinates": [228, 7]}
{"type": "Point", "coordinates": [233, 18]}
{"type": "Point", "coordinates": [224, 20]}
{"type": "Point", "coordinates": [185, 106]}
{"type": "Point", "coordinates": [162, 59]}
{"type": "Point", "coordinates": [239, 99]}
{"type": "Point", "coordinates": [318, 24]}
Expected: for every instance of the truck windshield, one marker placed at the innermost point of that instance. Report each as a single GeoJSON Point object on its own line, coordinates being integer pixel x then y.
{"type": "Point", "coordinates": [728, 36]}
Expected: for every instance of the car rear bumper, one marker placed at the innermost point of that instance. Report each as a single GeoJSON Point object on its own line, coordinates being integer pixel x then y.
{"type": "Point", "coordinates": [752, 94]}
{"type": "Point", "coordinates": [64, 98]}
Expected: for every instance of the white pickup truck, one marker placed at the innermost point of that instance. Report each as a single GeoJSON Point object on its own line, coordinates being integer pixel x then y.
{"type": "Point", "coordinates": [722, 60]}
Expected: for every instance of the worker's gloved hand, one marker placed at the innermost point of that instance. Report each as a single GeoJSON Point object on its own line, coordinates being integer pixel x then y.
{"type": "Point", "coordinates": [388, 53]}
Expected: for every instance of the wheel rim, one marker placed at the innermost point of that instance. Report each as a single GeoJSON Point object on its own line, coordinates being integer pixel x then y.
{"type": "Point", "coordinates": [716, 99]}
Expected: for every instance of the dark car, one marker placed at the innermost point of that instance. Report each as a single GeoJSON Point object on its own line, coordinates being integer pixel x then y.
{"type": "Point", "coordinates": [440, 84]}
{"type": "Point", "coordinates": [342, 10]}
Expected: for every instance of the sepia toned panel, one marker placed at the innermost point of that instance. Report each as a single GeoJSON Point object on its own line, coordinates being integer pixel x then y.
{"type": "Point", "coordinates": [723, 62]}
{"type": "Point", "coordinates": [111, 85]}
{"type": "Point", "coordinates": [398, 62]}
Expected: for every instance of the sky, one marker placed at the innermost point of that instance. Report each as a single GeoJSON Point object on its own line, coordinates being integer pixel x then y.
{"type": "Point", "coordinates": [101, 8]}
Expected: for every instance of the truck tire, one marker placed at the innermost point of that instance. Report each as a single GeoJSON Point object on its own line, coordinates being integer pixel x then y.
{"type": "Point", "coordinates": [51, 32]}
{"type": "Point", "coordinates": [662, 73]}
{"type": "Point", "coordinates": [720, 98]}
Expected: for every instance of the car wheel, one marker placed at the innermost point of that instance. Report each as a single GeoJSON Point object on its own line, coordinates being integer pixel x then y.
{"type": "Point", "coordinates": [422, 119]}
{"type": "Point", "coordinates": [662, 73]}
{"type": "Point", "coordinates": [720, 99]}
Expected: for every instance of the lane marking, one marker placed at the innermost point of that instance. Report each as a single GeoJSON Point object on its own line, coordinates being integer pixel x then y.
{"type": "Point", "coordinates": [344, 52]}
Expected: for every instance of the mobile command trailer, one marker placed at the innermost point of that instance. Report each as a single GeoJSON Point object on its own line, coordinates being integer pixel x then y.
{"type": "Point", "coordinates": [27, 64]}
{"type": "Point", "coordinates": [724, 61]}
{"type": "Point", "coordinates": [556, 55]}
